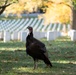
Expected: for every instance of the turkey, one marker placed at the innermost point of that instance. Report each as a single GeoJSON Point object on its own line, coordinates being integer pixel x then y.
{"type": "Point", "coordinates": [36, 49]}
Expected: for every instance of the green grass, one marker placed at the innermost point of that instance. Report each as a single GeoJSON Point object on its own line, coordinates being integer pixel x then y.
{"type": "Point", "coordinates": [62, 54]}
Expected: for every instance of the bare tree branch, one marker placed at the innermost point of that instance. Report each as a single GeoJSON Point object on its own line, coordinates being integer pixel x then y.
{"type": "Point", "coordinates": [2, 8]}
{"type": "Point", "coordinates": [6, 2]}
{"type": "Point", "coordinates": [5, 5]}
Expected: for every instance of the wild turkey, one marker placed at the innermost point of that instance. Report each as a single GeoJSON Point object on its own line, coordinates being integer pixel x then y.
{"type": "Point", "coordinates": [36, 49]}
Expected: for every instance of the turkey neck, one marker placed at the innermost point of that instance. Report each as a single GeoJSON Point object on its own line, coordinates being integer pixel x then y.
{"type": "Point", "coordinates": [31, 34]}
{"type": "Point", "coordinates": [29, 39]}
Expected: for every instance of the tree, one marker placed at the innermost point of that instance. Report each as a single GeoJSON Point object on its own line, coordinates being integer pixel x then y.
{"type": "Point", "coordinates": [4, 4]}
{"type": "Point", "coordinates": [59, 10]}
{"type": "Point", "coordinates": [73, 23]}
{"type": "Point", "coordinates": [23, 5]}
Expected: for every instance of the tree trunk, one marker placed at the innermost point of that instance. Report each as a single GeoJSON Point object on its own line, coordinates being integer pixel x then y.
{"type": "Point", "coordinates": [74, 20]}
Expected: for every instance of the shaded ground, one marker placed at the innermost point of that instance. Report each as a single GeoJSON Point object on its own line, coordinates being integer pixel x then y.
{"type": "Point", "coordinates": [62, 54]}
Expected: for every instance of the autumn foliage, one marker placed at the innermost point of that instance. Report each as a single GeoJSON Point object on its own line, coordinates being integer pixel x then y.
{"type": "Point", "coordinates": [55, 11]}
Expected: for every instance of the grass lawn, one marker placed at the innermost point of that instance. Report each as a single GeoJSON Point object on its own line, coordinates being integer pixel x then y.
{"type": "Point", "coordinates": [62, 54]}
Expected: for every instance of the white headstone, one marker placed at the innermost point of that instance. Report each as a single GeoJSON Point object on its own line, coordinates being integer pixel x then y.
{"type": "Point", "coordinates": [14, 36]}
{"type": "Point", "coordinates": [52, 35]}
{"type": "Point", "coordinates": [57, 33]}
{"type": "Point", "coordinates": [43, 34]}
{"type": "Point", "coordinates": [73, 35]}
{"type": "Point", "coordinates": [39, 35]}
{"type": "Point", "coordinates": [7, 36]}
{"type": "Point", "coordinates": [70, 33]}
{"type": "Point", "coordinates": [23, 36]}
{"type": "Point", "coordinates": [19, 35]}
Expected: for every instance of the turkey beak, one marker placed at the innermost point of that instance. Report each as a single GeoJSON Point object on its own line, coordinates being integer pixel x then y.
{"type": "Point", "coordinates": [27, 27]}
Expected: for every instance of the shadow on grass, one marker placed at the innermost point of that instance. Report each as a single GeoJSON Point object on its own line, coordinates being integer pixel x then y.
{"type": "Point", "coordinates": [17, 63]}
{"type": "Point", "coordinates": [12, 44]}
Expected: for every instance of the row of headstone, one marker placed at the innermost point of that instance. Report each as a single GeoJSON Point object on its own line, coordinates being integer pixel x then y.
{"type": "Point", "coordinates": [14, 36]}
{"type": "Point", "coordinates": [37, 24]}
{"type": "Point", "coordinates": [22, 26]}
{"type": "Point", "coordinates": [17, 26]}
{"type": "Point", "coordinates": [50, 35]}
{"type": "Point", "coordinates": [29, 23]}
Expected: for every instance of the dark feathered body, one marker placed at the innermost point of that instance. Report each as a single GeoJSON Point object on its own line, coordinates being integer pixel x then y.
{"type": "Point", "coordinates": [36, 49]}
